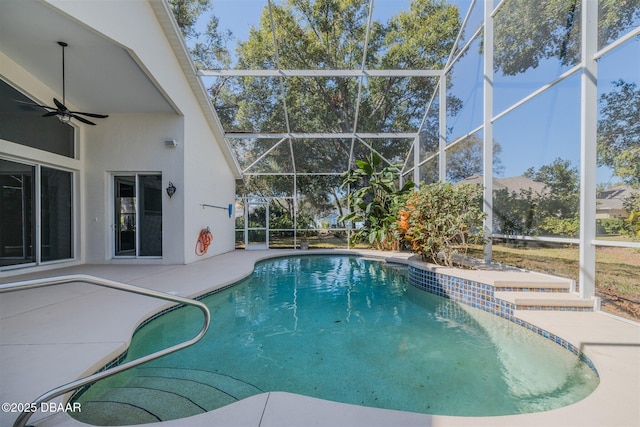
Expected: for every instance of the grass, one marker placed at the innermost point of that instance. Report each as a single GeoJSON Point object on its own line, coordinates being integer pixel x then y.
{"type": "Point", "coordinates": [617, 271]}
{"type": "Point", "coordinates": [615, 267]}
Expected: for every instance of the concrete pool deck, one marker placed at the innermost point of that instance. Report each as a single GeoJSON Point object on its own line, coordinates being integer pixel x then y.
{"type": "Point", "coordinates": [51, 336]}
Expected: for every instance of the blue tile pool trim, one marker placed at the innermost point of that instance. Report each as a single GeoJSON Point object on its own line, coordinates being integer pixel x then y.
{"type": "Point", "coordinates": [481, 295]}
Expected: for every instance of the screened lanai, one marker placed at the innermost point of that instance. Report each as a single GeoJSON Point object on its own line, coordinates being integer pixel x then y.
{"type": "Point", "coordinates": [536, 100]}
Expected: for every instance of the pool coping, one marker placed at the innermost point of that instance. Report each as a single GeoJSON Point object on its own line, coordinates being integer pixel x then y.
{"type": "Point", "coordinates": [611, 343]}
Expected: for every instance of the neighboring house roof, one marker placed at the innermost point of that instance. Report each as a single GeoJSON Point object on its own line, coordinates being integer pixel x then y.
{"type": "Point", "coordinates": [512, 184]}
{"type": "Point", "coordinates": [613, 198]}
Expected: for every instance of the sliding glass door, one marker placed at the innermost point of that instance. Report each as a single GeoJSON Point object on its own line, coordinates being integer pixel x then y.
{"type": "Point", "coordinates": [17, 245]}
{"type": "Point", "coordinates": [36, 214]}
{"type": "Point", "coordinates": [55, 214]}
{"type": "Point", "coordinates": [138, 215]}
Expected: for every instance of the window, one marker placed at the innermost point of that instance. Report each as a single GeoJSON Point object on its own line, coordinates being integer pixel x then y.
{"type": "Point", "coordinates": [23, 124]}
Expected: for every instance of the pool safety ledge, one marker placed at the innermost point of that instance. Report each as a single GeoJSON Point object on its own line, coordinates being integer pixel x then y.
{"type": "Point", "coordinates": [487, 297]}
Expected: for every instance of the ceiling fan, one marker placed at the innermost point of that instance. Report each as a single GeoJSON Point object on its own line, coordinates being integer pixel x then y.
{"type": "Point", "coordinates": [60, 110]}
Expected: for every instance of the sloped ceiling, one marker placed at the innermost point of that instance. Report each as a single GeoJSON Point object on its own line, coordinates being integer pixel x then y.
{"type": "Point", "coordinates": [101, 77]}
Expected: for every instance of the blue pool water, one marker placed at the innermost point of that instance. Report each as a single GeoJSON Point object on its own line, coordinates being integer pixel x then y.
{"type": "Point", "coordinates": [345, 329]}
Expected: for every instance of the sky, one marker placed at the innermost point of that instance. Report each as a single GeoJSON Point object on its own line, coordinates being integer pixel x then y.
{"type": "Point", "coordinates": [536, 133]}
{"type": "Point", "coordinates": [240, 15]}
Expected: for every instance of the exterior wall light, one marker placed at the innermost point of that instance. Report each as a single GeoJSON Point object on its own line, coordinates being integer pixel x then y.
{"type": "Point", "coordinates": [171, 189]}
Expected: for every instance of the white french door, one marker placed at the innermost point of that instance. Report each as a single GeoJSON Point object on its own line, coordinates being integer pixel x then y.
{"type": "Point", "coordinates": [137, 215]}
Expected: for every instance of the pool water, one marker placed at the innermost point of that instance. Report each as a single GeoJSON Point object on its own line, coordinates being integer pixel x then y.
{"type": "Point", "coordinates": [345, 329]}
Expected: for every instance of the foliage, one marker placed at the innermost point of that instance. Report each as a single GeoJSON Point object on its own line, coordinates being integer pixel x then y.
{"type": "Point", "coordinates": [632, 205]}
{"type": "Point", "coordinates": [441, 220]}
{"type": "Point", "coordinates": [208, 50]}
{"type": "Point", "coordinates": [279, 218]}
{"type": "Point", "coordinates": [329, 35]}
{"type": "Point", "coordinates": [559, 176]}
{"type": "Point", "coordinates": [529, 31]}
{"type": "Point", "coordinates": [375, 200]}
{"type": "Point", "coordinates": [563, 227]}
{"type": "Point", "coordinates": [558, 209]}
{"type": "Point", "coordinates": [515, 213]}
{"type": "Point", "coordinates": [610, 226]}
{"type": "Point", "coordinates": [616, 17]}
{"type": "Point", "coordinates": [619, 131]}
{"type": "Point", "coordinates": [465, 159]}
{"type": "Point", "coordinates": [187, 13]}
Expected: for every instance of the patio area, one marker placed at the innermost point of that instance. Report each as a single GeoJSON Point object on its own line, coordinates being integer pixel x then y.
{"type": "Point", "coordinates": [52, 336]}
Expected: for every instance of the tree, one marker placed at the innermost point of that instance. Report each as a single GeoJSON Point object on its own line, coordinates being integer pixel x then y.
{"type": "Point", "coordinates": [558, 208]}
{"type": "Point", "coordinates": [325, 35]}
{"type": "Point", "coordinates": [465, 159]}
{"type": "Point", "coordinates": [528, 32]}
{"type": "Point", "coordinates": [619, 131]}
{"type": "Point", "coordinates": [207, 50]}
{"type": "Point", "coordinates": [187, 13]}
{"type": "Point", "coordinates": [559, 176]}
{"type": "Point", "coordinates": [515, 213]}
{"type": "Point", "coordinates": [330, 35]}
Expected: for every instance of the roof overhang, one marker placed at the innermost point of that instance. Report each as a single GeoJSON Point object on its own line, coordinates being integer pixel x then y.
{"type": "Point", "coordinates": [101, 76]}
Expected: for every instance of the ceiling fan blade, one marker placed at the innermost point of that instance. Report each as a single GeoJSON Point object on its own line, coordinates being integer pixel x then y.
{"type": "Point", "coordinates": [50, 113]}
{"type": "Point", "coordinates": [97, 116]}
{"type": "Point", "coordinates": [60, 105]}
{"type": "Point", "coordinates": [82, 119]}
{"type": "Point", "coordinates": [33, 104]}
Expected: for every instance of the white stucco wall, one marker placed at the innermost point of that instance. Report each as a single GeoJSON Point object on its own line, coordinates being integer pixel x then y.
{"type": "Point", "coordinates": [125, 144]}
{"type": "Point", "coordinates": [134, 143]}
{"type": "Point", "coordinates": [207, 177]}
{"type": "Point", "coordinates": [208, 181]}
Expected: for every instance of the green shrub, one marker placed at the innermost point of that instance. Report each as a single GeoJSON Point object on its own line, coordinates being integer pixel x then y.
{"type": "Point", "coordinates": [564, 227]}
{"type": "Point", "coordinates": [375, 200]}
{"type": "Point", "coordinates": [441, 220]}
{"type": "Point", "coordinates": [632, 226]}
{"type": "Point", "coordinates": [610, 226]}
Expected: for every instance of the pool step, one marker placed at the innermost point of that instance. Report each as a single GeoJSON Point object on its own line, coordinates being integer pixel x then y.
{"type": "Point", "coordinates": [236, 388]}
{"type": "Point", "coordinates": [152, 394]}
{"type": "Point", "coordinates": [114, 413]}
{"type": "Point", "coordinates": [567, 301]}
{"type": "Point", "coordinates": [142, 404]}
{"type": "Point", "coordinates": [552, 285]}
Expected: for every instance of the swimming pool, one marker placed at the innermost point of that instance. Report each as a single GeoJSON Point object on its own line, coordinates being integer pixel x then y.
{"type": "Point", "coordinates": [345, 329]}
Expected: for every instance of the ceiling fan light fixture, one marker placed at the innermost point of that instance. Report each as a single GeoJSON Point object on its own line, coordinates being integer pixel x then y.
{"type": "Point", "coordinates": [64, 118]}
